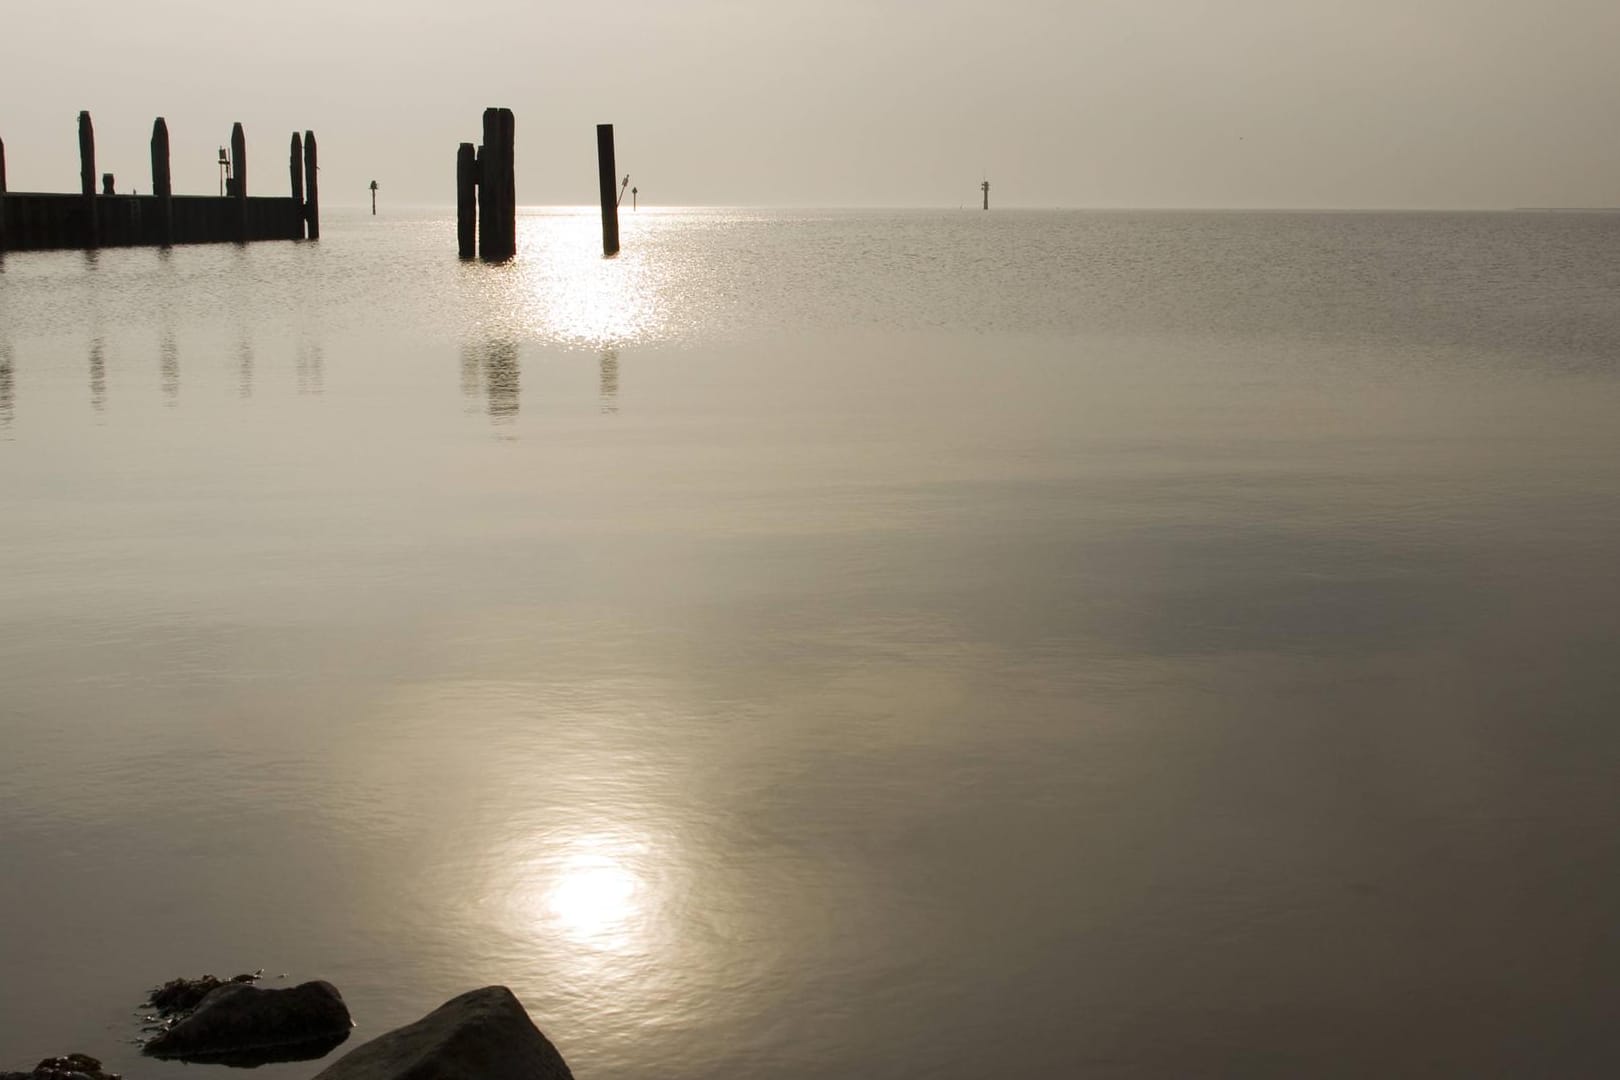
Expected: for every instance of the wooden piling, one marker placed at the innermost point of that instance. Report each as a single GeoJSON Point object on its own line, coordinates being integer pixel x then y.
{"type": "Point", "coordinates": [239, 174]}
{"type": "Point", "coordinates": [312, 198]}
{"type": "Point", "coordinates": [87, 179]}
{"type": "Point", "coordinates": [107, 184]}
{"type": "Point", "coordinates": [162, 186]}
{"type": "Point", "coordinates": [466, 200]}
{"type": "Point", "coordinates": [497, 188]}
{"type": "Point", "coordinates": [606, 174]}
{"type": "Point", "coordinates": [295, 169]}
{"type": "Point", "coordinates": [2, 194]}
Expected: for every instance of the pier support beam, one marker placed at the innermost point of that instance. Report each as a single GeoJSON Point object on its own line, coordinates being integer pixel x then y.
{"type": "Point", "coordinates": [87, 179]}
{"type": "Point", "coordinates": [466, 200]}
{"type": "Point", "coordinates": [607, 176]}
{"type": "Point", "coordinates": [312, 196]}
{"type": "Point", "coordinates": [239, 174]}
{"type": "Point", "coordinates": [161, 185]}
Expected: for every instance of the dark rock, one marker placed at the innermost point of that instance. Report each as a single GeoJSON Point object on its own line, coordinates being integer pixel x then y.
{"type": "Point", "coordinates": [70, 1067]}
{"type": "Point", "coordinates": [481, 1035]}
{"type": "Point", "coordinates": [183, 995]}
{"type": "Point", "coordinates": [240, 1024]}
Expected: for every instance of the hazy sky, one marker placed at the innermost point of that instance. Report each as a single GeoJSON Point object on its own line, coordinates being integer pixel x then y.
{"type": "Point", "coordinates": [1240, 103]}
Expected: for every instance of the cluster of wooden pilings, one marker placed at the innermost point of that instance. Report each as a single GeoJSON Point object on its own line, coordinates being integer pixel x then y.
{"type": "Point", "coordinates": [33, 221]}
{"type": "Point", "coordinates": [486, 191]}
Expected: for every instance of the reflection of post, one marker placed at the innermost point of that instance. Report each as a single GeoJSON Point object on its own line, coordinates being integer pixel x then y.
{"type": "Point", "coordinates": [311, 368]}
{"type": "Point", "coordinates": [606, 176]}
{"type": "Point", "coordinates": [245, 369]}
{"type": "Point", "coordinates": [169, 361]}
{"type": "Point", "coordinates": [610, 381]}
{"type": "Point", "coordinates": [6, 391]}
{"type": "Point", "coordinates": [501, 380]}
{"type": "Point", "coordinates": [98, 376]}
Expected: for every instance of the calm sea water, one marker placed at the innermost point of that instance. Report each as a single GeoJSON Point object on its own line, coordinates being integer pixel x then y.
{"type": "Point", "coordinates": [868, 644]}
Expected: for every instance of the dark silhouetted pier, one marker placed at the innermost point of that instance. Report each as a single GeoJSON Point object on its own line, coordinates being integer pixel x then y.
{"type": "Point", "coordinates": [36, 221]}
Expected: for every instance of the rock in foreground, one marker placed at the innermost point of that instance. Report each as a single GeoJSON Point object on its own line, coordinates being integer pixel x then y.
{"type": "Point", "coordinates": [481, 1035]}
{"type": "Point", "coordinates": [70, 1067]}
{"type": "Point", "coordinates": [239, 1024]}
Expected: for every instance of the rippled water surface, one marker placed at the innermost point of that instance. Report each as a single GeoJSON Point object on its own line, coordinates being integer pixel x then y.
{"type": "Point", "coordinates": [869, 644]}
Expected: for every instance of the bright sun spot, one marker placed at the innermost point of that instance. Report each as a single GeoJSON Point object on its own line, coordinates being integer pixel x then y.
{"type": "Point", "coordinates": [593, 897]}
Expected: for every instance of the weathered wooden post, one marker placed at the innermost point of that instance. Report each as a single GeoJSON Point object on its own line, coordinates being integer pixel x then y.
{"type": "Point", "coordinates": [985, 187]}
{"type": "Point", "coordinates": [606, 175]}
{"type": "Point", "coordinates": [162, 187]}
{"type": "Point", "coordinates": [87, 179]}
{"type": "Point", "coordinates": [239, 174]}
{"type": "Point", "coordinates": [633, 192]}
{"type": "Point", "coordinates": [374, 198]}
{"type": "Point", "coordinates": [107, 184]}
{"type": "Point", "coordinates": [295, 170]}
{"type": "Point", "coordinates": [466, 200]}
{"type": "Point", "coordinates": [497, 188]}
{"type": "Point", "coordinates": [312, 195]}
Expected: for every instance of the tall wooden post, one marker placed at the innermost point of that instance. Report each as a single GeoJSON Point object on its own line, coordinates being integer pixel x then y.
{"type": "Point", "coordinates": [87, 179]}
{"type": "Point", "coordinates": [985, 187]}
{"type": "Point", "coordinates": [239, 173]}
{"type": "Point", "coordinates": [312, 195]}
{"type": "Point", "coordinates": [466, 200]}
{"type": "Point", "coordinates": [497, 188]}
{"type": "Point", "coordinates": [374, 198]}
{"type": "Point", "coordinates": [161, 184]}
{"type": "Point", "coordinates": [606, 174]}
{"type": "Point", "coordinates": [295, 171]}
{"type": "Point", "coordinates": [2, 194]}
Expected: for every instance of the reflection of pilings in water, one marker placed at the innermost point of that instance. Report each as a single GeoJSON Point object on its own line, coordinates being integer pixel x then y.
{"type": "Point", "coordinates": [98, 376]}
{"type": "Point", "coordinates": [311, 368]}
{"type": "Point", "coordinates": [7, 390]}
{"type": "Point", "coordinates": [169, 366]}
{"type": "Point", "coordinates": [472, 380]}
{"type": "Point", "coordinates": [245, 370]}
{"type": "Point", "coordinates": [501, 380]}
{"type": "Point", "coordinates": [610, 381]}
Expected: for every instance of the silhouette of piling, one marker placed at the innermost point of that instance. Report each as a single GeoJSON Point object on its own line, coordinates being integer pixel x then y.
{"type": "Point", "coordinates": [107, 184]}
{"type": "Point", "coordinates": [312, 198]}
{"type": "Point", "coordinates": [295, 172]}
{"type": "Point", "coordinates": [497, 188]}
{"type": "Point", "coordinates": [606, 175]}
{"type": "Point", "coordinates": [985, 187]}
{"type": "Point", "coordinates": [374, 198]}
{"type": "Point", "coordinates": [466, 200]}
{"type": "Point", "coordinates": [162, 186]}
{"type": "Point", "coordinates": [2, 194]}
{"type": "Point", "coordinates": [239, 174]}
{"type": "Point", "coordinates": [87, 179]}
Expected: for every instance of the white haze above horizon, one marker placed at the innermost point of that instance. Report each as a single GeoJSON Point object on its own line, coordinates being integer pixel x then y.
{"type": "Point", "coordinates": [1090, 103]}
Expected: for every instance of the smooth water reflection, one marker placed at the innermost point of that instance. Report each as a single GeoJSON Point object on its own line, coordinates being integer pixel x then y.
{"type": "Point", "coordinates": [769, 661]}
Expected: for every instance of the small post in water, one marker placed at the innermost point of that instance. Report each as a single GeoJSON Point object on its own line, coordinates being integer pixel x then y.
{"type": "Point", "coordinates": [606, 174]}
{"type": "Point", "coordinates": [87, 178]}
{"type": "Point", "coordinates": [374, 198]}
{"type": "Point", "coordinates": [312, 197]}
{"type": "Point", "coordinates": [466, 200]}
{"type": "Point", "coordinates": [985, 187]}
{"type": "Point", "coordinates": [162, 186]}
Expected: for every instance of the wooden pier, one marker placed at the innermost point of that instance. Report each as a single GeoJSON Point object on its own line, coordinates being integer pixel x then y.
{"type": "Point", "coordinates": [35, 221]}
